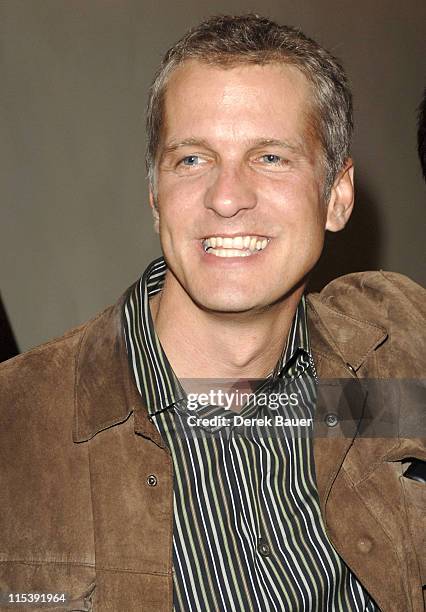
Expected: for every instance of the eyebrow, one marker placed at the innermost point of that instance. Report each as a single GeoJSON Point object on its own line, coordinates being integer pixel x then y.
{"type": "Point", "coordinates": [175, 145]}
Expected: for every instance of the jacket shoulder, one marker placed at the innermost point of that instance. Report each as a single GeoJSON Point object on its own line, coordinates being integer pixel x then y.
{"type": "Point", "coordinates": [381, 297]}
{"type": "Point", "coordinates": [375, 320]}
{"type": "Point", "coordinates": [31, 381]}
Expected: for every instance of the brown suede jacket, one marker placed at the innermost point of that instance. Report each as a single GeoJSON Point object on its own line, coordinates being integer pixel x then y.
{"type": "Point", "coordinates": [79, 514]}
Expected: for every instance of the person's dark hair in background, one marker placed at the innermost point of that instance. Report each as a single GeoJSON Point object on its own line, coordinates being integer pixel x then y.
{"type": "Point", "coordinates": [421, 133]}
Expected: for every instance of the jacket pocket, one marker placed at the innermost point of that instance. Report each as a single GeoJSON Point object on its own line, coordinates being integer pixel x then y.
{"type": "Point", "coordinates": [52, 586]}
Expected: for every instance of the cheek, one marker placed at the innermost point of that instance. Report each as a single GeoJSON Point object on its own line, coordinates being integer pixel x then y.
{"type": "Point", "coordinates": [300, 214]}
{"type": "Point", "coordinates": [178, 220]}
{"type": "Point", "coordinates": [178, 200]}
{"type": "Point", "coordinates": [295, 202]}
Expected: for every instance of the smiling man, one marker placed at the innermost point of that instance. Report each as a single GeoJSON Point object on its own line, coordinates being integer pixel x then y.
{"type": "Point", "coordinates": [238, 195]}
{"type": "Point", "coordinates": [128, 480]}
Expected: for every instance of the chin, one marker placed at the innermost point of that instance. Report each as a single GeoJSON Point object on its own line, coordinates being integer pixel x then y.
{"type": "Point", "coordinates": [222, 302]}
{"type": "Point", "coordinates": [232, 303]}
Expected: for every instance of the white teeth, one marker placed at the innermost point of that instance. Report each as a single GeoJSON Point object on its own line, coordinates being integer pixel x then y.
{"type": "Point", "coordinates": [241, 245]}
{"type": "Point", "coordinates": [229, 253]}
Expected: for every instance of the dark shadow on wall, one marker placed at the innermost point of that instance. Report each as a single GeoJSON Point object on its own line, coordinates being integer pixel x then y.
{"type": "Point", "coordinates": [358, 247]}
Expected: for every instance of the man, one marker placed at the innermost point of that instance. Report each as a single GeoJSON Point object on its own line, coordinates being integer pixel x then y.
{"type": "Point", "coordinates": [120, 490]}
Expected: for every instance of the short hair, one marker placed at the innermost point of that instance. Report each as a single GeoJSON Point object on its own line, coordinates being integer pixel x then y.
{"type": "Point", "coordinates": [421, 134]}
{"type": "Point", "coordinates": [230, 40]}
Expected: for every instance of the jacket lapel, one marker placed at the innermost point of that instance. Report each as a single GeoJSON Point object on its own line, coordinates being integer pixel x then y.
{"type": "Point", "coordinates": [105, 391]}
{"type": "Point", "coordinates": [340, 345]}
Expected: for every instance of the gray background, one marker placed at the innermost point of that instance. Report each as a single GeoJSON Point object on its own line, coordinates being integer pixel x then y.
{"type": "Point", "coordinates": [75, 225]}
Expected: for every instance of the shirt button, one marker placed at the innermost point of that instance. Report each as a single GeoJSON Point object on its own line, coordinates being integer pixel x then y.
{"type": "Point", "coordinates": [331, 419]}
{"type": "Point", "coordinates": [151, 480]}
{"type": "Point", "coordinates": [264, 548]}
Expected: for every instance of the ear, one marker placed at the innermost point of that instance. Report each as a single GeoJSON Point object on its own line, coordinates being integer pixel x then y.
{"type": "Point", "coordinates": [155, 211]}
{"type": "Point", "coordinates": [341, 200]}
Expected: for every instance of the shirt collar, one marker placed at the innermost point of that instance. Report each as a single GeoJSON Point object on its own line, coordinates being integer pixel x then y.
{"type": "Point", "coordinates": [156, 381]}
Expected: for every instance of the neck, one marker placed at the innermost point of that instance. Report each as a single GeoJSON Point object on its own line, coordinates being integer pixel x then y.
{"type": "Point", "coordinates": [205, 344]}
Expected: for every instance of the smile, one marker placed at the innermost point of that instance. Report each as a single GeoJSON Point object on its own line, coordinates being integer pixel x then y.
{"type": "Point", "coordinates": [238, 246]}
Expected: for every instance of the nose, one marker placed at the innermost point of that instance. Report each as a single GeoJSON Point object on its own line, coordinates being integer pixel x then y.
{"type": "Point", "coordinates": [230, 192]}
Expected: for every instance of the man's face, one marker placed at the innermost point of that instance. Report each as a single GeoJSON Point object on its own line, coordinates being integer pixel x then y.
{"type": "Point", "coordinates": [239, 185]}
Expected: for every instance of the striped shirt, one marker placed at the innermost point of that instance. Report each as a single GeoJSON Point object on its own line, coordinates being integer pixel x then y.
{"type": "Point", "coordinates": [248, 531]}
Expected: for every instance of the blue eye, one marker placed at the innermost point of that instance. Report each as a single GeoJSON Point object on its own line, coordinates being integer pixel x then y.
{"type": "Point", "coordinates": [271, 159]}
{"type": "Point", "coordinates": [190, 160]}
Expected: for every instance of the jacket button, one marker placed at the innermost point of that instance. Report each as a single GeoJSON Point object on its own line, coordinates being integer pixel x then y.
{"type": "Point", "coordinates": [364, 545]}
{"type": "Point", "coordinates": [151, 480]}
{"type": "Point", "coordinates": [263, 548]}
{"type": "Point", "coordinates": [331, 419]}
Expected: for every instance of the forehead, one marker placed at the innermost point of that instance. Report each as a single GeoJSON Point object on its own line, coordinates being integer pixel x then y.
{"type": "Point", "coordinates": [246, 99]}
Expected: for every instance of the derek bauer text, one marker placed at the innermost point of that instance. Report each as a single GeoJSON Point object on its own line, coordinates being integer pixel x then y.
{"type": "Point", "coordinates": [239, 421]}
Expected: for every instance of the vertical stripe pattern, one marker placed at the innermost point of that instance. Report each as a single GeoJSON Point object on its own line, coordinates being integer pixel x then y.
{"type": "Point", "coordinates": [248, 531]}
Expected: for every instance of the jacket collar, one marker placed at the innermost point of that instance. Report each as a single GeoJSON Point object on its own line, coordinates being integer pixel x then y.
{"type": "Point", "coordinates": [334, 333]}
{"type": "Point", "coordinates": [105, 393]}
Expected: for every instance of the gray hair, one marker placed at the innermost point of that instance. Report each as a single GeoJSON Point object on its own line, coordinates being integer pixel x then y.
{"type": "Point", "coordinates": [227, 41]}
